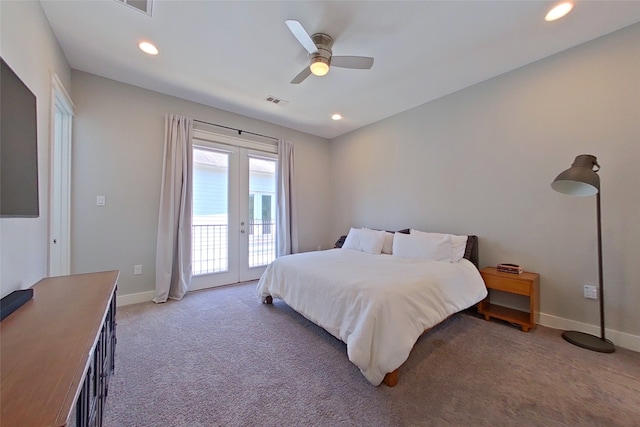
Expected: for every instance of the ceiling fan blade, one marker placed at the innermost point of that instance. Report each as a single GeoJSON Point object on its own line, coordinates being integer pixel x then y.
{"type": "Point", "coordinates": [357, 62]}
{"type": "Point", "coordinates": [306, 72]}
{"type": "Point", "coordinates": [301, 34]}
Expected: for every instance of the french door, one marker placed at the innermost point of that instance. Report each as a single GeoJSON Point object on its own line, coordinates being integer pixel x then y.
{"type": "Point", "coordinates": [233, 232]}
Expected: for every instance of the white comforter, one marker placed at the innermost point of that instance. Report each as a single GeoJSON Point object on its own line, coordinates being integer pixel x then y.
{"type": "Point", "coordinates": [377, 304]}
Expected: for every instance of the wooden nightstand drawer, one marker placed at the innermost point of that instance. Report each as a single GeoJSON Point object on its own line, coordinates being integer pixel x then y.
{"type": "Point", "coordinates": [508, 284]}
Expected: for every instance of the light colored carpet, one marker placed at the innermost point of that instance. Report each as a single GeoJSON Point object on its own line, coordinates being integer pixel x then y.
{"type": "Point", "coordinates": [221, 358]}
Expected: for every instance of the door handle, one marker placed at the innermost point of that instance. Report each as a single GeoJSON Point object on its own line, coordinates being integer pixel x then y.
{"type": "Point", "coordinates": [242, 223]}
{"type": "Point", "coordinates": [242, 231]}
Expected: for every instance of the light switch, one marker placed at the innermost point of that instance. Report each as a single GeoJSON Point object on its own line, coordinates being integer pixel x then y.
{"type": "Point", "coordinates": [101, 201]}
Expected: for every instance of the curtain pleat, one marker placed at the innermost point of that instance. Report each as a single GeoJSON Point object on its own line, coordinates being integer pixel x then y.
{"type": "Point", "coordinates": [286, 217]}
{"type": "Point", "coordinates": [173, 255]}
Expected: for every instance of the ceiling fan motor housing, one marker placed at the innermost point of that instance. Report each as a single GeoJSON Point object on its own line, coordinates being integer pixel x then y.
{"type": "Point", "coordinates": [324, 43]}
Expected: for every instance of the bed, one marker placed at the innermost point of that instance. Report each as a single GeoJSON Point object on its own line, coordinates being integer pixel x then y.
{"type": "Point", "coordinates": [378, 304]}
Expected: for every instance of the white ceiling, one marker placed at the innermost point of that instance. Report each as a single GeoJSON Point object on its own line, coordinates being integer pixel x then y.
{"type": "Point", "coordinates": [233, 54]}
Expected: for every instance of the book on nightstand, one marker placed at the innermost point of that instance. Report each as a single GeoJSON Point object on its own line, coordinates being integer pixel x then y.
{"type": "Point", "coordinates": [510, 268]}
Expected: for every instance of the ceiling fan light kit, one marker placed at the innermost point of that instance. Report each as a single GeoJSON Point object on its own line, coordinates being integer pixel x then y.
{"type": "Point", "coordinates": [321, 56]}
{"type": "Point", "coordinates": [319, 66]}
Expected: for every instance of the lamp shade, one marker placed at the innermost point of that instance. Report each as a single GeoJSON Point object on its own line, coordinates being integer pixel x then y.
{"type": "Point", "coordinates": [580, 179]}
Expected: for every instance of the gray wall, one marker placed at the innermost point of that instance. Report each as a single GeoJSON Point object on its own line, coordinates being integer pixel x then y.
{"type": "Point", "coordinates": [480, 161]}
{"type": "Point", "coordinates": [117, 153]}
{"type": "Point", "coordinates": [28, 45]}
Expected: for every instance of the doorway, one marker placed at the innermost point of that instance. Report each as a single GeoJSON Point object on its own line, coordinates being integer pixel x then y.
{"type": "Point", "coordinates": [233, 231]}
{"type": "Point", "coordinates": [60, 190]}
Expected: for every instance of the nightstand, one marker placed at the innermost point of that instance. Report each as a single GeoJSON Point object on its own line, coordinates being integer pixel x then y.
{"type": "Point", "coordinates": [527, 284]}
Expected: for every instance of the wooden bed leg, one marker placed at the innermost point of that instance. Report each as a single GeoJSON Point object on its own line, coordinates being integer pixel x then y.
{"type": "Point", "coordinates": [391, 379]}
{"type": "Point", "coordinates": [268, 300]}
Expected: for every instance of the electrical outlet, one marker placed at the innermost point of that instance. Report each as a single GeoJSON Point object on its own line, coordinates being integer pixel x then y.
{"type": "Point", "coordinates": [137, 269]}
{"type": "Point", "coordinates": [590, 292]}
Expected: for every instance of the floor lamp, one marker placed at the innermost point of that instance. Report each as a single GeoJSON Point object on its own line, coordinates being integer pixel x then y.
{"type": "Point", "coordinates": [581, 179]}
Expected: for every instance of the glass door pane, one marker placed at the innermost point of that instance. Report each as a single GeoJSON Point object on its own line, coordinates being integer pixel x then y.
{"type": "Point", "coordinates": [262, 193]}
{"type": "Point", "coordinates": [210, 211]}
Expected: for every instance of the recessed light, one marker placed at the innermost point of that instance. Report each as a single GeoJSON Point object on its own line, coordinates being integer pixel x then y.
{"type": "Point", "coordinates": [336, 116]}
{"type": "Point", "coordinates": [558, 11]}
{"type": "Point", "coordinates": [147, 47]}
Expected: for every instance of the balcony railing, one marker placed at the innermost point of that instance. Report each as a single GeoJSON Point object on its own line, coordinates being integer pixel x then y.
{"type": "Point", "coordinates": [262, 242]}
{"type": "Point", "coordinates": [210, 247]}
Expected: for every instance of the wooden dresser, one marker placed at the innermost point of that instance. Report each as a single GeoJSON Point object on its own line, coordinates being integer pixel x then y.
{"type": "Point", "coordinates": [57, 352]}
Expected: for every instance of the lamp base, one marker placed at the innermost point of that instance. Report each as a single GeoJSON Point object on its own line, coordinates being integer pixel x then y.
{"type": "Point", "coordinates": [588, 341]}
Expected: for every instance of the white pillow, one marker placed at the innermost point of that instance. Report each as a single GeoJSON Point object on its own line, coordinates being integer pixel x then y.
{"type": "Point", "coordinates": [387, 248]}
{"type": "Point", "coordinates": [364, 240]}
{"type": "Point", "coordinates": [458, 246]}
{"type": "Point", "coordinates": [458, 243]}
{"type": "Point", "coordinates": [437, 248]}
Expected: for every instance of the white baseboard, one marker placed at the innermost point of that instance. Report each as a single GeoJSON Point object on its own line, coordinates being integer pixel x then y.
{"type": "Point", "coordinates": [134, 298]}
{"type": "Point", "coordinates": [620, 339]}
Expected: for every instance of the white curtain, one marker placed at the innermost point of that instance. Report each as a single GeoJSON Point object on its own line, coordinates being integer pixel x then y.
{"type": "Point", "coordinates": [286, 218]}
{"type": "Point", "coordinates": [173, 255]}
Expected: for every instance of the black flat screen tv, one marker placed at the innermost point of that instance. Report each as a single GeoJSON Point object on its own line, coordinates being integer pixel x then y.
{"type": "Point", "coordinates": [18, 147]}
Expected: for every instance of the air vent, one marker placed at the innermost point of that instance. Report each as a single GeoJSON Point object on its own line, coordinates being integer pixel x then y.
{"type": "Point", "coordinates": [143, 6]}
{"type": "Point", "coordinates": [277, 101]}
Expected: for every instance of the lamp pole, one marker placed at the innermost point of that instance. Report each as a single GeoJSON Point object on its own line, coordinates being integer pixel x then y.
{"type": "Point", "coordinates": [600, 274]}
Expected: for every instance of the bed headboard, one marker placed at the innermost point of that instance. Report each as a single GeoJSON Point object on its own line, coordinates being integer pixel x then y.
{"type": "Point", "coordinates": [471, 251]}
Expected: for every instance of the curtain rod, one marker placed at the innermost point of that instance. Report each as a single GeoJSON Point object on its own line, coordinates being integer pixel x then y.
{"type": "Point", "coordinates": [240, 131]}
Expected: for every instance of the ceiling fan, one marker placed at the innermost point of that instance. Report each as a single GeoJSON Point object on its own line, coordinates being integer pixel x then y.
{"type": "Point", "coordinates": [320, 54]}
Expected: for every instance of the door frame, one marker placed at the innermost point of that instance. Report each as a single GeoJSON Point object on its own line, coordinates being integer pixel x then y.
{"type": "Point", "coordinates": [239, 146]}
{"type": "Point", "coordinates": [59, 246]}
